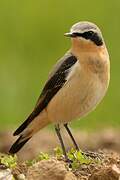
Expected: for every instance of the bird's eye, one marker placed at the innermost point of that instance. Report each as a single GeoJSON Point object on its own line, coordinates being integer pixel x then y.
{"type": "Point", "coordinates": [90, 32]}
{"type": "Point", "coordinates": [93, 36]}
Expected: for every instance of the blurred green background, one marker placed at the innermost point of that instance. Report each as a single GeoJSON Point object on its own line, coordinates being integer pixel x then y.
{"type": "Point", "coordinates": [31, 41]}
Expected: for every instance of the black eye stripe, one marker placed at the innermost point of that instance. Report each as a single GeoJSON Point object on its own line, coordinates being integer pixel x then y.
{"type": "Point", "coordinates": [88, 33]}
{"type": "Point", "coordinates": [93, 36]}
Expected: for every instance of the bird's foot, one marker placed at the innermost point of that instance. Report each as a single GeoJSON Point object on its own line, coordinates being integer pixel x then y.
{"type": "Point", "coordinates": [69, 161]}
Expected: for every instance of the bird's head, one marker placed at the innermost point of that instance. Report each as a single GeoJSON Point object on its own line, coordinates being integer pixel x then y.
{"type": "Point", "coordinates": [86, 33]}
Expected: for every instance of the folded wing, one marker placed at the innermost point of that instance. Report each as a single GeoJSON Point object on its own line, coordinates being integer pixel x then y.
{"type": "Point", "coordinates": [55, 82]}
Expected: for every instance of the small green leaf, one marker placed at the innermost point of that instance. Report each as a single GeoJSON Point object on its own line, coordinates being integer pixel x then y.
{"type": "Point", "coordinates": [58, 152]}
{"type": "Point", "coordinates": [42, 156]}
{"type": "Point", "coordinates": [30, 162]}
{"type": "Point", "coordinates": [77, 158]}
{"type": "Point", "coordinates": [9, 161]}
{"type": "Point", "coordinates": [75, 165]}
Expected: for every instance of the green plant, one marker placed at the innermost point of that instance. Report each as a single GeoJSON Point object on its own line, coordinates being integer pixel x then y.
{"type": "Point", "coordinates": [58, 152]}
{"type": "Point", "coordinates": [77, 158]}
{"type": "Point", "coordinates": [41, 156]}
{"type": "Point", "coordinates": [9, 161]}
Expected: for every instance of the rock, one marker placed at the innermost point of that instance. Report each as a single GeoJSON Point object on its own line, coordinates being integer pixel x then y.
{"type": "Point", "coordinates": [6, 174]}
{"type": "Point", "coordinates": [21, 177]}
{"type": "Point", "coordinates": [50, 170]}
{"type": "Point", "coordinates": [108, 173]}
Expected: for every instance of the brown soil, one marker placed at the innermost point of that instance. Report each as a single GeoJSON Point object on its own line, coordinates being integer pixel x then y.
{"type": "Point", "coordinates": [53, 169]}
{"type": "Point", "coordinates": [107, 169]}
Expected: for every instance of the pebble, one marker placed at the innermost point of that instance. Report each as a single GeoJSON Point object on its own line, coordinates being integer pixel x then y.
{"type": "Point", "coordinates": [21, 177]}
{"type": "Point", "coordinates": [6, 174]}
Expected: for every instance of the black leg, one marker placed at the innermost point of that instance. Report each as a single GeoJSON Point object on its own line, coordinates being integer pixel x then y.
{"type": "Point", "coordinates": [70, 134]}
{"type": "Point", "coordinates": [57, 128]}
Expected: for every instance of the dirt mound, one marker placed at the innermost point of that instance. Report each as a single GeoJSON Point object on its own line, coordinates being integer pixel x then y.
{"type": "Point", "coordinates": [51, 169]}
{"type": "Point", "coordinates": [107, 169]}
{"type": "Point", "coordinates": [105, 165]}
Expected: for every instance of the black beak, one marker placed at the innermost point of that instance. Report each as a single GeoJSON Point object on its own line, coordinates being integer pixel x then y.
{"type": "Point", "coordinates": [72, 35]}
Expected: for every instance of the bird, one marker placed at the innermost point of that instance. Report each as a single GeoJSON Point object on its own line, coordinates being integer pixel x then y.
{"type": "Point", "coordinates": [75, 86]}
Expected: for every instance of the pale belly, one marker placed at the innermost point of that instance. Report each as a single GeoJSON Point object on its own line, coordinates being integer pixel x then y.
{"type": "Point", "coordinates": [78, 97]}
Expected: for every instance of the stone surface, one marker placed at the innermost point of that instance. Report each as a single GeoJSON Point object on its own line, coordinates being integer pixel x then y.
{"type": "Point", "coordinates": [108, 173]}
{"type": "Point", "coordinates": [50, 170]}
{"type": "Point", "coordinates": [6, 174]}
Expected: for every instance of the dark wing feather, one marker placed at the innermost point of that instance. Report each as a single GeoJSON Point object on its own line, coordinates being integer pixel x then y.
{"type": "Point", "coordinates": [52, 86]}
{"type": "Point", "coordinates": [18, 145]}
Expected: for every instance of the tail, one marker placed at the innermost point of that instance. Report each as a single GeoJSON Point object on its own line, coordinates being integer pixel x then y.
{"type": "Point", "coordinates": [18, 144]}
{"type": "Point", "coordinates": [34, 126]}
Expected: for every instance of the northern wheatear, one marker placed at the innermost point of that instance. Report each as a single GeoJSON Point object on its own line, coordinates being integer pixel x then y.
{"type": "Point", "coordinates": [77, 83]}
